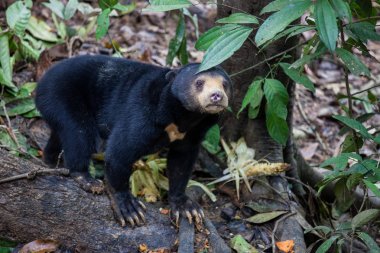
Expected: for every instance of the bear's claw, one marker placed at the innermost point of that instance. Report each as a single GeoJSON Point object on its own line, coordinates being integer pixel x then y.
{"type": "Point", "coordinates": [189, 209]}
{"type": "Point", "coordinates": [87, 183]}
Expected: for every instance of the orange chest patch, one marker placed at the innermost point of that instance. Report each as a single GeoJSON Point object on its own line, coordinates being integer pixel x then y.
{"type": "Point", "coordinates": [173, 132]}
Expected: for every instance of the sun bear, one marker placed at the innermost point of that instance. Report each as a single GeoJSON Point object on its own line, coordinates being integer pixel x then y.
{"type": "Point", "coordinates": [138, 109]}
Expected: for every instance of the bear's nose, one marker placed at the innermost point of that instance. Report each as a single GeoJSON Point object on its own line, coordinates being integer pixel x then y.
{"type": "Point", "coordinates": [216, 97]}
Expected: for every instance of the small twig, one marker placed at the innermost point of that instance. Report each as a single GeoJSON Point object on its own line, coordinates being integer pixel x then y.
{"type": "Point", "coordinates": [312, 127]}
{"type": "Point", "coordinates": [9, 126]}
{"type": "Point", "coordinates": [33, 173]}
{"type": "Point", "coordinates": [275, 229]}
{"type": "Point", "coordinates": [365, 197]}
{"type": "Point", "coordinates": [267, 60]}
{"type": "Point", "coordinates": [59, 159]}
{"type": "Point", "coordinates": [370, 88]}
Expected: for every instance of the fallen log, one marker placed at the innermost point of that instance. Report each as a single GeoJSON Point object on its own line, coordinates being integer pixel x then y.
{"type": "Point", "coordinates": [54, 207]}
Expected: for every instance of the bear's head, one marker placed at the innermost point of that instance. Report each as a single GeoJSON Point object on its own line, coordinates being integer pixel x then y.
{"type": "Point", "coordinates": [209, 91]}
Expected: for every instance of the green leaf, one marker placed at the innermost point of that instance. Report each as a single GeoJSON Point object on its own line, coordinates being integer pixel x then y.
{"type": "Point", "coordinates": [354, 124]}
{"type": "Point", "coordinates": [326, 24]}
{"type": "Point", "coordinates": [342, 8]}
{"type": "Point", "coordinates": [175, 43]}
{"type": "Point", "coordinates": [353, 180]}
{"type": "Point", "coordinates": [277, 127]}
{"type": "Point", "coordinates": [364, 217]}
{"type": "Point", "coordinates": [370, 242]}
{"type": "Point", "coordinates": [70, 9]}
{"type": "Point", "coordinates": [364, 31]}
{"type": "Point", "coordinates": [56, 7]}
{"type": "Point", "coordinates": [277, 97]}
{"type": "Point", "coordinates": [238, 18]}
{"type": "Point", "coordinates": [19, 107]}
{"type": "Point", "coordinates": [212, 139]}
{"type": "Point", "coordinates": [309, 57]}
{"type": "Point", "coordinates": [18, 16]}
{"type": "Point", "coordinates": [41, 30]}
{"type": "Point", "coordinates": [103, 22]}
{"type": "Point", "coordinates": [166, 5]}
{"type": "Point", "coordinates": [107, 4]}
{"type": "Point", "coordinates": [277, 5]}
{"type": "Point", "coordinates": [224, 47]}
{"type": "Point", "coordinates": [182, 53]}
{"type": "Point", "coordinates": [28, 51]}
{"type": "Point", "coordinates": [354, 65]}
{"type": "Point", "coordinates": [279, 20]}
{"type": "Point", "coordinates": [125, 8]}
{"type": "Point", "coordinates": [239, 244]}
{"type": "Point", "coordinates": [297, 77]}
{"type": "Point", "coordinates": [253, 96]}
{"type": "Point", "coordinates": [325, 230]}
{"type": "Point", "coordinates": [264, 217]}
{"type": "Point", "coordinates": [341, 160]}
{"type": "Point", "coordinates": [372, 187]}
{"type": "Point", "coordinates": [5, 61]}
{"type": "Point", "coordinates": [344, 197]}
{"type": "Point", "coordinates": [207, 38]}
{"type": "Point", "coordinates": [350, 144]}
{"type": "Point", "coordinates": [326, 245]}
{"type": "Point", "coordinates": [377, 139]}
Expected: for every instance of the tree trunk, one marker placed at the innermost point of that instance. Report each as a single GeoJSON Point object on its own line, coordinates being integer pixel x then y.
{"type": "Point", "coordinates": [54, 207]}
{"type": "Point", "coordinates": [254, 131]}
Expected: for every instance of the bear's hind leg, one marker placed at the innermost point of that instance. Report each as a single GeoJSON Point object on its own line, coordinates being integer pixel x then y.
{"type": "Point", "coordinates": [79, 143]}
{"type": "Point", "coordinates": [52, 150]}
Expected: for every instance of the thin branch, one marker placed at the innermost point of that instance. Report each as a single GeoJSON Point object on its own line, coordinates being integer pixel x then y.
{"type": "Point", "coordinates": [267, 60]}
{"type": "Point", "coordinates": [32, 174]}
{"type": "Point", "coordinates": [370, 88]}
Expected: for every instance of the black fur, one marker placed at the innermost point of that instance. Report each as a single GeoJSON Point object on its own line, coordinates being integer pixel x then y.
{"type": "Point", "coordinates": [89, 98]}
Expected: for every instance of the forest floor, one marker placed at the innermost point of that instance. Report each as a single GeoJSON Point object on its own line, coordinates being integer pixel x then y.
{"type": "Point", "coordinates": [145, 37]}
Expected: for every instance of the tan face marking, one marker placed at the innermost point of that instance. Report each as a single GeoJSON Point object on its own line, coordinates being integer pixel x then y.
{"type": "Point", "coordinates": [211, 85]}
{"type": "Point", "coordinates": [173, 132]}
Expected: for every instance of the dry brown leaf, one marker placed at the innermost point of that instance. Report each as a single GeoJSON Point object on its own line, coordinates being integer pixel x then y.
{"type": "Point", "coordinates": [40, 246]}
{"type": "Point", "coordinates": [286, 246]}
{"type": "Point", "coordinates": [264, 169]}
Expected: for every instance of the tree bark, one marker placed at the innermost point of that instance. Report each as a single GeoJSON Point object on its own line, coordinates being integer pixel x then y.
{"type": "Point", "coordinates": [254, 131]}
{"type": "Point", "coordinates": [54, 207]}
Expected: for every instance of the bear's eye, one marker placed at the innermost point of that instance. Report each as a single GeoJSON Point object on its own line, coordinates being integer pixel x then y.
{"type": "Point", "coordinates": [199, 84]}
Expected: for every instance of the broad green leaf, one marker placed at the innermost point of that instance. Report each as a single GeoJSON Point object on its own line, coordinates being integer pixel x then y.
{"type": "Point", "coordinates": [239, 244]}
{"type": "Point", "coordinates": [354, 65]}
{"type": "Point", "coordinates": [364, 217]}
{"type": "Point", "coordinates": [253, 96]}
{"type": "Point", "coordinates": [309, 57]}
{"type": "Point", "coordinates": [166, 5]}
{"type": "Point", "coordinates": [207, 38]}
{"type": "Point", "coordinates": [27, 51]}
{"type": "Point", "coordinates": [18, 16]}
{"type": "Point", "coordinates": [19, 107]}
{"type": "Point", "coordinates": [372, 187]}
{"type": "Point", "coordinates": [70, 9]}
{"type": "Point", "coordinates": [56, 7]}
{"type": "Point", "coordinates": [377, 139]}
{"type": "Point", "coordinates": [341, 160]}
{"type": "Point", "coordinates": [363, 8]}
{"type": "Point", "coordinates": [253, 111]}
{"type": "Point", "coordinates": [279, 20]}
{"type": "Point", "coordinates": [350, 144]}
{"type": "Point", "coordinates": [289, 32]}
{"type": "Point", "coordinates": [353, 180]}
{"type": "Point", "coordinates": [342, 8]}
{"type": "Point", "coordinates": [5, 61]}
{"type": "Point", "coordinates": [125, 8]}
{"type": "Point", "coordinates": [277, 126]}
{"type": "Point", "coordinates": [107, 4]}
{"type": "Point", "coordinates": [277, 97]}
{"type": "Point", "coordinates": [41, 30]}
{"type": "Point", "coordinates": [238, 18]}
{"type": "Point", "coordinates": [354, 124]}
{"type": "Point", "coordinates": [175, 43]}
{"type": "Point", "coordinates": [326, 245]}
{"type": "Point", "coordinates": [182, 53]}
{"type": "Point", "coordinates": [224, 47]}
{"type": "Point", "coordinates": [370, 242]}
{"type": "Point", "coordinates": [103, 22]}
{"type": "Point", "coordinates": [278, 5]}
{"type": "Point", "coordinates": [325, 230]}
{"type": "Point", "coordinates": [212, 139]}
{"type": "Point", "coordinates": [264, 217]}
{"type": "Point", "coordinates": [297, 77]}
{"type": "Point", "coordinates": [85, 8]}
{"type": "Point", "coordinates": [326, 24]}
{"type": "Point", "coordinates": [6, 140]}
{"type": "Point", "coordinates": [344, 197]}
{"type": "Point", "coordinates": [364, 31]}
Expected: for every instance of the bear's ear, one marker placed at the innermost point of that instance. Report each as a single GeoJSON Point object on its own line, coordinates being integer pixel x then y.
{"type": "Point", "coordinates": [171, 75]}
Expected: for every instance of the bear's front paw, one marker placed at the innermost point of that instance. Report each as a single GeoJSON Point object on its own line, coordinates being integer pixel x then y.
{"type": "Point", "coordinates": [126, 207]}
{"type": "Point", "coordinates": [187, 208]}
{"type": "Point", "coordinates": [87, 183]}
